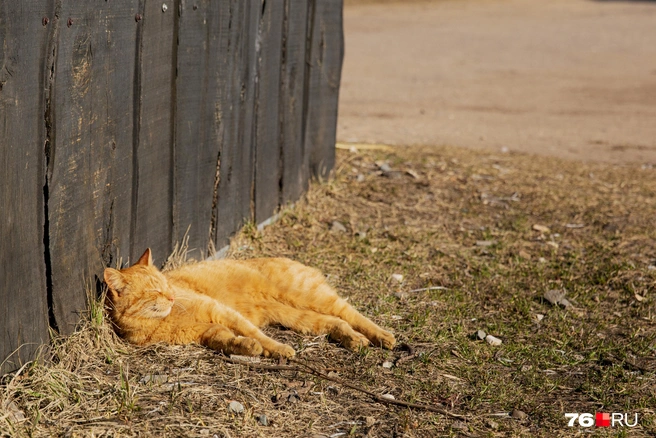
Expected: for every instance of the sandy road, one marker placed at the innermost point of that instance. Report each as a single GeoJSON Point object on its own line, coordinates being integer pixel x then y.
{"type": "Point", "coordinates": [570, 78]}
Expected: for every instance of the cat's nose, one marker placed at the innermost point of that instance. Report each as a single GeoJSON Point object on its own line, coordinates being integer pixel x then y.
{"type": "Point", "coordinates": [172, 299]}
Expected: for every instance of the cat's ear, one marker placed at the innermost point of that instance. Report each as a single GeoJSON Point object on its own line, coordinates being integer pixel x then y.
{"type": "Point", "coordinates": [114, 279]}
{"type": "Point", "coordinates": [146, 259]}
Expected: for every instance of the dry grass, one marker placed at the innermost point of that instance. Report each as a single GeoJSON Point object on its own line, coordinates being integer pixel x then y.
{"type": "Point", "coordinates": [457, 221]}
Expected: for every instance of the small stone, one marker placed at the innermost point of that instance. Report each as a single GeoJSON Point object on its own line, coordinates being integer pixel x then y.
{"type": "Point", "coordinates": [338, 227]}
{"type": "Point", "coordinates": [398, 278]}
{"type": "Point", "coordinates": [387, 364]}
{"type": "Point", "coordinates": [263, 420]}
{"type": "Point", "coordinates": [385, 167]}
{"type": "Point", "coordinates": [493, 340]}
{"type": "Point", "coordinates": [360, 178]}
{"type": "Point", "coordinates": [541, 228]}
{"type": "Point", "coordinates": [539, 317]}
{"type": "Point", "coordinates": [480, 334]}
{"type": "Point", "coordinates": [15, 412]}
{"type": "Point", "coordinates": [553, 244]}
{"type": "Point", "coordinates": [388, 396]}
{"type": "Point", "coordinates": [518, 415]}
{"type": "Point", "coordinates": [523, 254]}
{"type": "Point", "coordinates": [556, 297]}
{"type": "Point", "coordinates": [542, 260]}
{"type": "Point", "coordinates": [236, 407]}
{"type": "Point", "coordinates": [485, 243]}
{"type": "Point", "coordinates": [459, 425]}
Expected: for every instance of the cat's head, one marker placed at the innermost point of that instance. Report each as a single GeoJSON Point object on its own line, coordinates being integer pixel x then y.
{"type": "Point", "coordinates": [139, 292]}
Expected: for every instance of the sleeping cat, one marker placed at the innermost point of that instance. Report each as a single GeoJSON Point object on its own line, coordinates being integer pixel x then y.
{"type": "Point", "coordinates": [222, 303]}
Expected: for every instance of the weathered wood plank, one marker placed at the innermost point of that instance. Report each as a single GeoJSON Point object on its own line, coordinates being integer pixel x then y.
{"type": "Point", "coordinates": [154, 133]}
{"type": "Point", "coordinates": [23, 299]}
{"type": "Point", "coordinates": [91, 160]}
{"type": "Point", "coordinates": [197, 148]}
{"type": "Point", "coordinates": [238, 31]}
{"type": "Point", "coordinates": [292, 88]}
{"type": "Point", "coordinates": [325, 56]}
{"type": "Point", "coordinates": [267, 101]}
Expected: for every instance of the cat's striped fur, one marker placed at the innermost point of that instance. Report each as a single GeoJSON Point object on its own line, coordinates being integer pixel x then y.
{"type": "Point", "coordinates": [222, 304]}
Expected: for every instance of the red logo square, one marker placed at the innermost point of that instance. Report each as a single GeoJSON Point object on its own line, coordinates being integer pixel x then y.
{"type": "Point", "coordinates": [602, 419]}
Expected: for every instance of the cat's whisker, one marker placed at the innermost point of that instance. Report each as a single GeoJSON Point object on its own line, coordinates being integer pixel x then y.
{"type": "Point", "coordinates": [177, 304]}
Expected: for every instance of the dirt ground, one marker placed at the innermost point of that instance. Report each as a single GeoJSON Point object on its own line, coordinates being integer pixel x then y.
{"type": "Point", "coordinates": [434, 244]}
{"type": "Point", "coordinates": [568, 78]}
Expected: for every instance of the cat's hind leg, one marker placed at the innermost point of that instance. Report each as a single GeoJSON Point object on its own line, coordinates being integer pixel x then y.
{"type": "Point", "coordinates": [236, 322]}
{"type": "Point", "coordinates": [311, 322]}
{"type": "Point", "coordinates": [377, 336]}
{"type": "Point", "coordinates": [322, 298]}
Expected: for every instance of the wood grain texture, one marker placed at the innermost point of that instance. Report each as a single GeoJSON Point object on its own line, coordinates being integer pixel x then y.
{"type": "Point", "coordinates": [267, 104]}
{"type": "Point", "coordinates": [124, 124]}
{"type": "Point", "coordinates": [23, 300]}
{"type": "Point", "coordinates": [154, 112]}
{"type": "Point", "coordinates": [325, 57]}
{"type": "Point", "coordinates": [90, 169]}
{"type": "Point", "coordinates": [238, 29]}
{"type": "Point", "coordinates": [295, 160]}
{"type": "Point", "coordinates": [196, 153]}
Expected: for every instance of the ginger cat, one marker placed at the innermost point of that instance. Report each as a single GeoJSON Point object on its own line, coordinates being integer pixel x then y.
{"type": "Point", "coordinates": [222, 303]}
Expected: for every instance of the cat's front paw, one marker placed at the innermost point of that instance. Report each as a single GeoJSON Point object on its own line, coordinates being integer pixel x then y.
{"type": "Point", "coordinates": [384, 339]}
{"type": "Point", "coordinates": [281, 350]}
{"type": "Point", "coordinates": [245, 346]}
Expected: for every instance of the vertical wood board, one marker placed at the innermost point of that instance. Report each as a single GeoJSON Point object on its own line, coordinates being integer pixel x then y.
{"type": "Point", "coordinates": [90, 173]}
{"type": "Point", "coordinates": [267, 130]}
{"type": "Point", "coordinates": [239, 23]}
{"type": "Point", "coordinates": [196, 147]}
{"type": "Point", "coordinates": [23, 298]}
{"type": "Point", "coordinates": [154, 91]}
{"type": "Point", "coordinates": [325, 57]}
{"type": "Point", "coordinates": [292, 87]}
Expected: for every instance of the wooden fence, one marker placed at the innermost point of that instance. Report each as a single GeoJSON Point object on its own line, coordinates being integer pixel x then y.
{"type": "Point", "coordinates": [123, 123]}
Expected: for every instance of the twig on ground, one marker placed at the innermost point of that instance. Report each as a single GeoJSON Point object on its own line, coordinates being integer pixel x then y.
{"type": "Point", "coordinates": [430, 288]}
{"type": "Point", "coordinates": [305, 368]}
